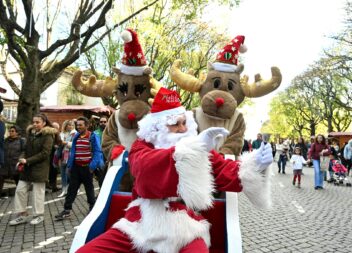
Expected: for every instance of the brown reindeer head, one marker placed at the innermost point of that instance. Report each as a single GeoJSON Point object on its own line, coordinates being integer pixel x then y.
{"type": "Point", "coordinates": [133, 87]}
{"type": "Point", "coordinates": [223, 89]}
{"type": "Point", "coordinates": [133, 93]}
{"type": "Point", "coordinates": [222, 92]}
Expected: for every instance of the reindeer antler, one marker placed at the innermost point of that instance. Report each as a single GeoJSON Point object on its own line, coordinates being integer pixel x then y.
{"type": "Point", "coordinates": [183, 80]}
{"type": "Point", "coordinates": [261, 87]}
{"type": "Point", "coordinates": [155, 86]}
{"type": "Point", "coordinates": [93, 87]}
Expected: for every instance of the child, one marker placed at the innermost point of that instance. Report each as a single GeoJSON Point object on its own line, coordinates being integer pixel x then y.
{"type": "Point", "coordinates": [333, 157]}
{"type": "Point", "coordinates": [297, 165]}
{"type": "Point", "coordinates": [338, 168]}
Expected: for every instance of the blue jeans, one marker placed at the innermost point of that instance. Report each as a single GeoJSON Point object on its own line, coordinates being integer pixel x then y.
{"type": "Point", "coordinates": [318, 174]}
{"type": "Point", "coordinates": [64, 175]}
{"type": "Point", "coordinates": [281, 164]}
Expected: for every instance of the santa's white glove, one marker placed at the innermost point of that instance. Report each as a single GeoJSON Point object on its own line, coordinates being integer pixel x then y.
{"type": "Point", "coordinates": [212, 136]}
{"type": "Point", "coordinates": [264, 156]}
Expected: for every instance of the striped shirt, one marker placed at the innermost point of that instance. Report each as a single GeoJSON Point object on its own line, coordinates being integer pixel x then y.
{"type": "Point", "coordinates": [83, 150]}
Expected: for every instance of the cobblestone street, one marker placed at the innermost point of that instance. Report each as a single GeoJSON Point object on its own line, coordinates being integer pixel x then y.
{"type": "Point", "coordinates": [301, 220]}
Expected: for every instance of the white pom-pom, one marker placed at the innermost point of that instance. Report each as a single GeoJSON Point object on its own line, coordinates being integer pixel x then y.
{"type": "Point", "coordinates": [243, 48]}
{"type": "Point", "coordinates": [126, 36]}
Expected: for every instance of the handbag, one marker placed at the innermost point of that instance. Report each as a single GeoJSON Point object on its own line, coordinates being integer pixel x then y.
{"type": "Point", "coordinates": [324, 163]}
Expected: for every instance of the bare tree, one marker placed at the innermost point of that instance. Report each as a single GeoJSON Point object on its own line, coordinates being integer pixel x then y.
{"type": "Point", "coordinates": [41, 67]}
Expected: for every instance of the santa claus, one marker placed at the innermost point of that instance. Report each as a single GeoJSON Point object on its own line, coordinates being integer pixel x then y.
{"type": "Point", "coordinates": [176, 173]}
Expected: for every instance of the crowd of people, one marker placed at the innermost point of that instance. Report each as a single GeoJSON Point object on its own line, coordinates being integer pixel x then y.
{"type": "Point", "coordinates": [314, 153]}
{"type": "Point", "coordinates": [34, 159]}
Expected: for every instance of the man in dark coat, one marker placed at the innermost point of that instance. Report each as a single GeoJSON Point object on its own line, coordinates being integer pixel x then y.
{"type": "Point", "coordinates": [256, 143]}
{"type": "Point", "coordinates": [2, 134]}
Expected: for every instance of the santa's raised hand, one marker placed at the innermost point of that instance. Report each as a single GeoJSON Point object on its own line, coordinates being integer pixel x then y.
{"type": "Point", "coordinates": [212, 136]}
{"type": "Point", "coordinates": [264, 156]}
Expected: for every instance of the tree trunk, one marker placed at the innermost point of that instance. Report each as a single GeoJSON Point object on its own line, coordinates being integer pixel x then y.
{"type": "Point", "coordinates": [29, 100]}
{"type": "Point", "coordinates": [312, 129]}
{"type": "Point", "coordinates": [330, 127]}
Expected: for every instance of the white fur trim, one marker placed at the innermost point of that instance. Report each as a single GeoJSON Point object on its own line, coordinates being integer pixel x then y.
{"type": "Point", "coordinates": [196, 182]}
{"type": "Point", "coordinates": [224, 67]}
{"type": "Point", "coordinates": [243, 48]}
{"type": "Point", "coordinates": [131, 70]}
{"type": "Point", "coordinates": [255, 185]}
{"type": "Point", "coordinates": [161, 230]}
{"type": "Point", "coordinates": [174, 111]}
{"type": "Point", "coordinates": [126, 36]}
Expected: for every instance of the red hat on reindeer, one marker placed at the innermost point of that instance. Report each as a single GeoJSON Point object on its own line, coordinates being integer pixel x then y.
{"type": "Point", "coordinates": [227, 58]}
{"type": "Point", "coordinates": [133, 61]}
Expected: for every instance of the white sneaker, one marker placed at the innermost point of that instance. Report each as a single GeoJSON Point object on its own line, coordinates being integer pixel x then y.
{"type": "Point", "coordinates": [37, 220]}
{"type": "Point", "coordinates": [19, 220]}
{"type": "Point", "coordinates": [63, 193]}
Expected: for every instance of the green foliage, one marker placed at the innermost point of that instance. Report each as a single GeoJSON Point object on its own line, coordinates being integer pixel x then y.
{"type": "Point", "coordinates": [73, 97]}
{"type": "Point", "coordinates": [192, 8]}
{"type": "Point", "coordinates": [3, 38]}
{"type": "Point", "coordinates": [166, 33]}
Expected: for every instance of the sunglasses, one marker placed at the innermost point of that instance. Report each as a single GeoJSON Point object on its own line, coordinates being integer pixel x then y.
{"type": "Point", "coordinates": [102, 121]}
{"type": "Point", "coordinates": [12, 131]}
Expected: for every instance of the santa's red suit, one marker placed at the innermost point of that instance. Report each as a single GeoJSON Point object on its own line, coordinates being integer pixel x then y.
{"type": "Point", "coordinates": [172, 184]}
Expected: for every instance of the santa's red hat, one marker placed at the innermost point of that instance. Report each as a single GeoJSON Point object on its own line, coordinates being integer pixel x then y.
{"type": "Point", "coordinates": [227, 58]}
{"type": "Point", "coordinates": [166, 103]}
{"type": "Point", "coordinates": [133, 61]}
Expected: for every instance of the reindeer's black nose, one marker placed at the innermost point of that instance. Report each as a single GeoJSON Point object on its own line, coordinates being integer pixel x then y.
{"type": "Point", "coordinates": [131, 116]}
{"type": "Point", "coordinates": [219, 102]}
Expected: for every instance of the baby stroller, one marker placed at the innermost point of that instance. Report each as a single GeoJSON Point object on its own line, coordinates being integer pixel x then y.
{"type": "Point", "coordinates": [340, 173]}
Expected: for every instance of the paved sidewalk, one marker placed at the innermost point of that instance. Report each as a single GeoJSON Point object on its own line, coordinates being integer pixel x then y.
{"type": "Point", "coordinates": [301, 220]}
{"type": "Point", "coordinates": [50, 236]}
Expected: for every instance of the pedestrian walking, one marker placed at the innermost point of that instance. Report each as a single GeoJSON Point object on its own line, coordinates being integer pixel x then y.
{"type": "Point", "coordinates": [283, 158]}
{"type": "Point", "coordinates": [347, 154]}
{"type": "Point", "coordinates": [13, 147]}
{"type": "Point", "coordinates": [55, 156]}
{"type": "Point", "coordinates": [256, 143]}
{"type": "Point", "coordinates": [279, 148]}
{"type": "Point", "coordinates": [85, 157]}
{"type": "Point", "coordinates": [297, 161]}
{"type": "Point", "coordinates": [318, 150]}
{"type": "Point", "coordinates": [273, 147]}
{"type": "Point", "coordinates": [34, 170]}
{"type": "Point", "coordinates": [302, 145]}
{"type": "Point", "coordinates": [245, 148]}
{"type": "Point", "coordinates": [100, 172]}
{"type": "Point", "coordinates": [67, 134]}
{"type": "Point", "coordinates": [2, 136]}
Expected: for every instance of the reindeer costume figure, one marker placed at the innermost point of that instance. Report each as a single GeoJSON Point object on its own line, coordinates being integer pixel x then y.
{"type": "Point", "coordinates": [133, 89]}
{"type": "Point", "coordinates": [222, 90]}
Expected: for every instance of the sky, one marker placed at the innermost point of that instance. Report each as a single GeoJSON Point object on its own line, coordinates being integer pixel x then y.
{"type": "Point", "coordinates": [289, 34]}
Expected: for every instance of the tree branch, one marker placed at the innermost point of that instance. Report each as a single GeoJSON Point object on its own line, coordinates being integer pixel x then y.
{"type": "Point", "coordinates": [8, 79]}
{"type": "Point", "coordinates": [6, 21]}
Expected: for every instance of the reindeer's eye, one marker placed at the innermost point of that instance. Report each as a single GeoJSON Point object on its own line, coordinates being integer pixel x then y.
{"type": "Point", "coordinates": [230, 85]}
{"type": "Point", "coordinates": [139, 89]}
{"type": "Point", "coordinates": [123, 88]}
{"type": "Point", "coordinates": [217, 83]}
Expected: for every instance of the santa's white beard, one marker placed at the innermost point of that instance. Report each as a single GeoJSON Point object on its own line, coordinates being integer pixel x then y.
{"type": "Point", "coordinates": [155, 131]}
{"type": "Point", "coordinates": [167, 139]}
